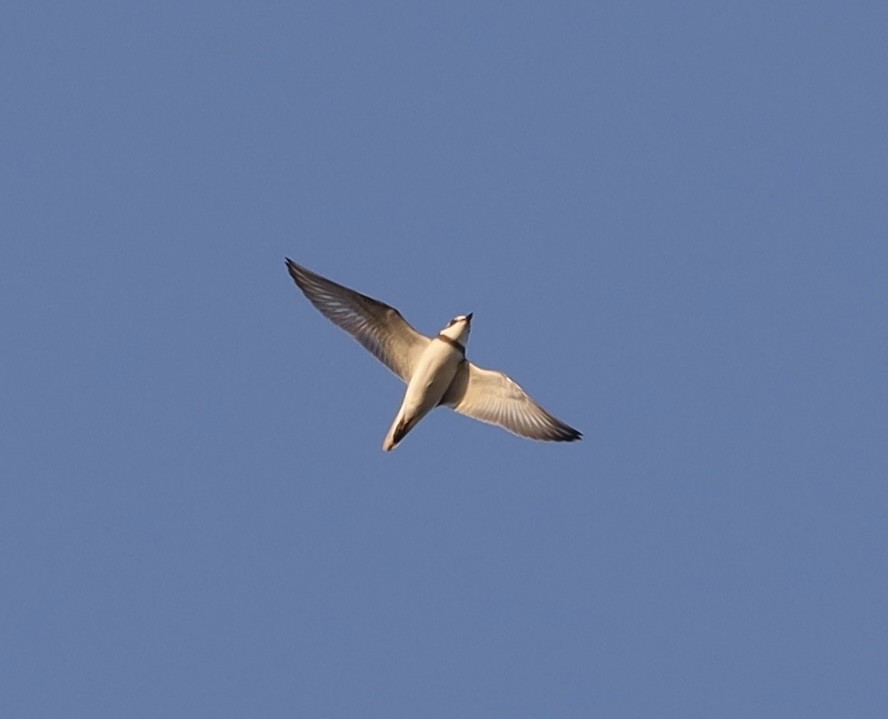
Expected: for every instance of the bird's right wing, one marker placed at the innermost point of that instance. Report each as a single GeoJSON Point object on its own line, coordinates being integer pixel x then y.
{"type": "Point", "coordinates": [495, 398]}
{"type": "Point", "coordinates": [380, 328]}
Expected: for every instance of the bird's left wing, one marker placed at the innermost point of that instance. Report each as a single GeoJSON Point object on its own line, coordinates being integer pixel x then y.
{"type": "Point", "coordinates": [495, 398]}
{"type": "Point", "coordinates": [376, 325]}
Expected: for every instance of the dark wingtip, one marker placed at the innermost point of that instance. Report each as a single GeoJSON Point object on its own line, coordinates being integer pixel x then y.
{"type": "Point", "coordinates": [292, 268]}
{"type": "Point", "coordinates": [569, 434]}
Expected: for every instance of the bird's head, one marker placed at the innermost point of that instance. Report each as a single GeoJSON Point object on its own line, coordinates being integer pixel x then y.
{"type": "Point", "coordinates": [458, 329]}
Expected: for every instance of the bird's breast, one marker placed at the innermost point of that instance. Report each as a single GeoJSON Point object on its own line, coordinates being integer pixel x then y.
{"type": "Point", "coordinates": [433, 374]}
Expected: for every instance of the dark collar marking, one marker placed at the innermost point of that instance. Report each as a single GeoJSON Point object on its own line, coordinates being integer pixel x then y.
{"type": "Point", "coordinates": [453, 343]}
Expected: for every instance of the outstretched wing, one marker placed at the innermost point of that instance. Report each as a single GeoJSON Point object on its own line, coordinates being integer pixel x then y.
{"type": "Point", "coordinates": [495, 398]}
{"type": "Point", "coordinates": [380, 328]}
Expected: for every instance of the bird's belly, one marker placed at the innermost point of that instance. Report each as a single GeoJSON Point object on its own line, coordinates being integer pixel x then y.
{"type": "Point", "coordinates": [434, 373]}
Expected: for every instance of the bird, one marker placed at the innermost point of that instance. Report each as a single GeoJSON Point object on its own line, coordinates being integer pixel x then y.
{"type": "Point", "coordinates": [435, 369]}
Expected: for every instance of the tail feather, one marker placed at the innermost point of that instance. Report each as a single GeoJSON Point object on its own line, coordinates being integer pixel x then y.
{"type": "Point", "coordinates": [399, 429]}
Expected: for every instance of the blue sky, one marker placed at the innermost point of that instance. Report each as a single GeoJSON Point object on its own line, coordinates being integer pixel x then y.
{"type": "Point", "coordinates": [670, 221]}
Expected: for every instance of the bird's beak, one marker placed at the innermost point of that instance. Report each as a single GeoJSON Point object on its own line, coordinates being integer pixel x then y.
{"type": "Point", "coordinates": [469, 316]}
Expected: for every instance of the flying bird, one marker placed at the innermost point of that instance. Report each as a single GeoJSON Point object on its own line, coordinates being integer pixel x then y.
{"type": "Point", "coordinates": [435, 369]}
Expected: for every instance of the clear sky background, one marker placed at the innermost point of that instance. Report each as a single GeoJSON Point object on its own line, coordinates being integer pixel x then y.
{"type": "Point", "coordinates": [671, 223]}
